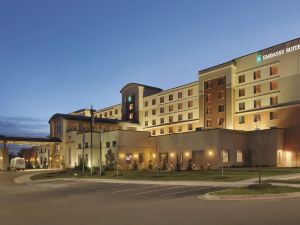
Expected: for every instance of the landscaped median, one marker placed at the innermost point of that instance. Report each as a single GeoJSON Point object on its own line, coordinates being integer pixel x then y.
{"type": "Point", "coordinates": [254, 192]}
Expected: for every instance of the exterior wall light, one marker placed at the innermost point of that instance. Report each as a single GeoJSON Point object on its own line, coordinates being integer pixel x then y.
{"type": "Point", "coordinates": [135, 155]}
{"type": "Point", "coordinates": [153, 155]}
{"type": "Point", "coordinates": [122, 156]}
{"type": "Point", "coordinates": [187, 154]}
{"type": "Point", "coordinates": [172, 154]}
{"type": "Point", "coordinates": [1, 158]}
{"type": "Point", "coordinates": [210, 153]}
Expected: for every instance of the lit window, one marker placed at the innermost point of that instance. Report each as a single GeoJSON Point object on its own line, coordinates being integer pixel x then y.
{"type": "Point", "coordinates": [131, 116]}
{"type": "Point", "coordinates": [257, 103]}
{"type": "Point", "coordinates": [131, 107]}
{"type": "Point", "coordinates": [273, 85]}
{"type": "Point", "coordinates": [274, 100]}
{"type": "Point", "coordinates": [256, 75]}
{"type": "Point", "coordinates": [257, 89]}
{"type": "Point", "coordinates": [225, 156]}
{"type": "Point", "coordinates": [274, 70]}
{"type": "Point", "coordinates": [221, 121]}
{"type": "Point", "coordinates": [239, 156]}
{"type": "Point", "coordinates": [256, 118]}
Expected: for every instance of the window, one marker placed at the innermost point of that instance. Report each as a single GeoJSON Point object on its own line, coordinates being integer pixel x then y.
{"type": "Point", "coordinates": [208, 97]}
{"type": "Point", "coordinates": [179, 94]}
{"type": "Point", "coordinates": [179, 117]}
{"type": "Point", "coordinates": [100, 115]}
{"type": "Point", "coordinates": [257, 89]}
{"type": "Point", "coordinates": [154, 101]}
{"type": "Point", "coordinates": [170, 119]}
{"type": "Point", "coordinates": [221, 95]}
{"type": "Point", "coordinates": [153, 132]}
{"type": "Point", "coordinates": [110, 112]}
{"type": "Point", "coordinates": [162, 110]}
{"type": "Point", "coordinates": [146, 123]}
{"type": "Point", "coordinates": [273, 70]}
{"type": "Point", "coordinates": [256, 118]}
{"type": "Point", "coordinates": [116, 111]}
{"type": "Point", "coordinates": [242, 106]}
{"type": "Point", "coordinates": [241, 119]}
{"type": "Point", "coordinates": [131, 116]}
{"type": "Point", "coordinates": [225, 156]}
{"type": "Point", "coordinates": [170, 97]}
{"type": "Point", "coordinates": [242, 79]}
{"type": "Point", "coordinates": [239, 156]}
{"type": "Point", "coordinates": [105, 114]}
{"type": "Point", "coordinates": [131, 107]}
{"type": "Point", "coordinates": [179, 128]}
{"type": "Point", "coordinates": [141, 157]}
{"type": "Point", "coordinates": [146, 103]}
{"type": "Point", "coordinates": [190, 92]}
{"type": "Point", "coordinates": [146, 113]}
{"type": "Point", "coordinates": [153, 111]}
{"type": "Point", "coordinates": [163, 157]}
{"type": "Point", "coordinates": [86, 145]}
{"type": "Point", "coordinates": [208, 123]}
{"type": "Point", "coordinates": [221, 81]}
{"type": "Point", "coordinates": [162, 99]}
{"type": "Point", "coordinates": [208, 110]}
{"type": "Point", "coordinates": [257, 103]}
{"type": "Point", "coordinates": [273, 85]}
{"type": "Point", "coordinates": [190, 115]}
{"type": "Point", "coordinates": [171, 130]}
{"type": "Point", "coordinates": [114, 144]}
{"type": "Point", "coordinates": [221, 108]}
{"type": "Point", "coordinates": [153, 122]}
{"type": "Point", "coordinates": [171, 108]}
{"type": "Point", "coordinates": [221, 121]}
{"type": "Point", "coordinates": [107, 144]}
{"type": "Point", "coordinates": [274, 100]}
{"type": "Point", "coordinates": [256, 75]}
{"type": "Point", "coordinates": [162, 120]}
{"type": "Point", "coordinates": [208, 84]}
{"type": "Point", "coordinates": [273, 115]}
{"type": "Point", "coordinates": [162, 131]}
{"type": "Point", "coordinates": [179, 106]}
{"type": "Point", "coordinates": [190, 126]}
{"type": "Point", "coordinates": [241, 92]}
{"type": "Point", "coordinates": [190, 104]}
{"type": "Point", "coordinates": [128, 158]}
{"type": "Point", "coordinates": [79, 146]}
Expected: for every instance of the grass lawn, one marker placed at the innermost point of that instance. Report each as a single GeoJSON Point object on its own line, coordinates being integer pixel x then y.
{"type": "Point", "coordinates": [230, 174]}
{"type": "Point", "coordinates": [257, 191]}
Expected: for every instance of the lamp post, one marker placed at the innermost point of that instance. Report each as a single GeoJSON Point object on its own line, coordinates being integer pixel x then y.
{"type": "Point", "coordinates": [92, 127]}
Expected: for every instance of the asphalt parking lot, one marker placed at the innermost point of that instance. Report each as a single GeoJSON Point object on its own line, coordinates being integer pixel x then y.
{"type": "Point", "coordinates": [133, 192]}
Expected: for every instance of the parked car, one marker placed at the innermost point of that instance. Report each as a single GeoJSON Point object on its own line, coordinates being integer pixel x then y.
{"type": "Point", "coordinates": [17, 164]}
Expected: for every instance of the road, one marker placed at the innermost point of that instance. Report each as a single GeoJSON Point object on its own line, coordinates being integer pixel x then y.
{"type": "Point", "coordinates": [78, 202]}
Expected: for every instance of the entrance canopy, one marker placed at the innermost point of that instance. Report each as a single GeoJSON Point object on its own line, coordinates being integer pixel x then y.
{"type": "Point", "coordinates": [28, 140]}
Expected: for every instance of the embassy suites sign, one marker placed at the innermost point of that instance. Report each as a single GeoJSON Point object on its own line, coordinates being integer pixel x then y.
{"type": "Point", "coordinates": [288, 48]}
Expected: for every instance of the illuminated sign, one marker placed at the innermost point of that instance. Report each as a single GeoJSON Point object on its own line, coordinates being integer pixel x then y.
{"type": "Point", "coordinates": [260, 57]}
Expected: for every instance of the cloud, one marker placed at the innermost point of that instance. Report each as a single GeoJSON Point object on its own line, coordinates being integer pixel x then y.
{"type": "Point", "coordinates": [24, 126]}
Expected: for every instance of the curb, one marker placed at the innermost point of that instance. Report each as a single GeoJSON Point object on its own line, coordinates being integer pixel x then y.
{"type": "Point", "coordinates": [210, 197]}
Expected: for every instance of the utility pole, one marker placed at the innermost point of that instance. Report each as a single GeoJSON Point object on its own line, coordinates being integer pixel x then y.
{"type": "Point", "coordinates": [92, 127]}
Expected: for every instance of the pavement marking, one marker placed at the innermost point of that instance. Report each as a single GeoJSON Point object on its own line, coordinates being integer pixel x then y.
{"type": "Point", "coordinates": [101, 187]}
{"type": "Point", "coordinates": [132, 189]}
{"type": "Point", "coordinates": [179, 192]}
{"type": "Point", "coordinates": [145, 192]}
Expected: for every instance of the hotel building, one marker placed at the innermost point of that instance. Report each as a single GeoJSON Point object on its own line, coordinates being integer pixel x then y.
{"type": "Point", "coordinates": [230, 113]}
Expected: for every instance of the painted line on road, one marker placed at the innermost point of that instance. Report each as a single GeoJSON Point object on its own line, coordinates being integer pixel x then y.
{"type": "Point", "coordinates": [180, 192]}
{"type": "Point", "coordinates": [132, 189]}
{"type": "Point", "coordinates": [101, 187]}
{"type": "Point", "coordinates": [146, 192]}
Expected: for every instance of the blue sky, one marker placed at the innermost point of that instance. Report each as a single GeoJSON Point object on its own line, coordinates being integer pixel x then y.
{"type": "Point", "coordinates": [60, 56]}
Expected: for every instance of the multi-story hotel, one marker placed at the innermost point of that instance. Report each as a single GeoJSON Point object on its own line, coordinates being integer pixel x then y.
{"type": "Point", "coordinates": [230, 113]}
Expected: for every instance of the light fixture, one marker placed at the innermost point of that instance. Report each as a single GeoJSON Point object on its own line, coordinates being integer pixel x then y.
{"type": "Point", "coordinates": [187, 154]}
{"type": "Point", "coordinates": [172, 154]}
{"type": "Point", "coordinates": [135, 155]}
{"type": "Point", "coordinates": [153, 155]}
{"type": "Point", "coordinates": [210, 153]}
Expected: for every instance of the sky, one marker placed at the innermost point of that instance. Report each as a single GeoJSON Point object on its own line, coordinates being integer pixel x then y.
{"type": "Point", "coordinates": [59, 56]}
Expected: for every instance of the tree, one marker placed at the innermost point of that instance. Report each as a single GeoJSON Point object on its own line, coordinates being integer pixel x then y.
{"type": "Point", "coordinates": [110, 160]}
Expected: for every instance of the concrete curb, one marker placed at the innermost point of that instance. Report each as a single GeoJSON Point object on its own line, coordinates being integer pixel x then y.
{"type": "Point", "coordinates": [210, 197]}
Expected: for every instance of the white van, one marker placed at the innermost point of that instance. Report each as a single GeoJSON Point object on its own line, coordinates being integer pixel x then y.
{"type": "Point", "coordinates": [17, 164]}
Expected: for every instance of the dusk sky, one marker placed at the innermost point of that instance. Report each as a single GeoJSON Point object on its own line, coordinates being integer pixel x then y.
{"type": "Point", "coordinates": [61, 56]}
